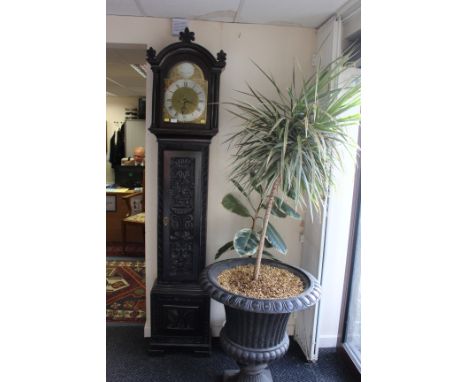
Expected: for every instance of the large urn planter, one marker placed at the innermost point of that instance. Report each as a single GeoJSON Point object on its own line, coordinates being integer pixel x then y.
{"type": "Point", "coordinates": [255, 330]}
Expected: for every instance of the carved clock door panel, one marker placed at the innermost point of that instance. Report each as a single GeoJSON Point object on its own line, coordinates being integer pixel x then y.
{"type": "Point", "coordinates": [182, 203]}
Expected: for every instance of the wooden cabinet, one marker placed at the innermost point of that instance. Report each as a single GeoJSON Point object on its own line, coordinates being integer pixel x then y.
{"type": "Point", "coordinates": [114, 219]}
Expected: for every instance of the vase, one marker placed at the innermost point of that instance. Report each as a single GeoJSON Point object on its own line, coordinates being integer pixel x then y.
{"type": "Point", "coordinates": [254, 333]}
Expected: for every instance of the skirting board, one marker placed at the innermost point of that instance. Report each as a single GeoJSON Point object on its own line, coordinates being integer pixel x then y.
{"type": "Point", "coordinates": [325, 341]}
{"type": "Point", "coordinates": [215, 330]}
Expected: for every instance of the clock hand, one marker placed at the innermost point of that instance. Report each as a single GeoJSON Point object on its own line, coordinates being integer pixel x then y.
{"type": "Point", "coordinates": [184, 107]}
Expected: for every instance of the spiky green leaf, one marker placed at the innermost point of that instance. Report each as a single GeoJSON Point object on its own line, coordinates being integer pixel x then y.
{"type": "Point", "coordinates": [296, 134]}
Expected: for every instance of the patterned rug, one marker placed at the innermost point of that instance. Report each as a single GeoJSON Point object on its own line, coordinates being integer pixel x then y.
{"type": "Point", "coordinates": [133, 249]}
{"type": "Point", "coordinates": [125, 290]}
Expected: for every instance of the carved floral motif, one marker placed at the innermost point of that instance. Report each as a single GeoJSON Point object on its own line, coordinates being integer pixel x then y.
{"type": "Point", "coordinates": [181, 207]}
{"type": "Point", "coordinates": [181, 318]}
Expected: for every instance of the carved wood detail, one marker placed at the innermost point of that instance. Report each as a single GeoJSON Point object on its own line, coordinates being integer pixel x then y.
{"type": "Point", "coordinates": [180, 317]}
{"type": "Point", "coordinates": [182, 203]}
{"type": "Point", "coordinates": [181, 219]}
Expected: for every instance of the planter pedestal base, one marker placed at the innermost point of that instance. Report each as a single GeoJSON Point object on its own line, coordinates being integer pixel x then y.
{"type": "Point", "coordinates": [253, 362]}
{"type": "Point", "coordinates": [248, 375]}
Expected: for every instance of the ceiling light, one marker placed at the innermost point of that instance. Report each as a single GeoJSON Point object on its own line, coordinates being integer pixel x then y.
{"type": "Point", "coordinates": [139, 69]}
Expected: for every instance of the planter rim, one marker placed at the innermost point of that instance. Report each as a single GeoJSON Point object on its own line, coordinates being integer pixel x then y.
{"type": "Point", "coordinates": [308, 298]}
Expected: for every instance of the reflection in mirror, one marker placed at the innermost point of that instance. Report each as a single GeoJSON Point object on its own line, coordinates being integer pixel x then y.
{"type": "Point", "coordinates": [125, 132]}
{"type": "Point", "coordinates": [125, 104]}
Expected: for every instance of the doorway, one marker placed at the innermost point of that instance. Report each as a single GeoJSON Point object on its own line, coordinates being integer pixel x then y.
{"type": "Point", "coordinates": [125, 144]}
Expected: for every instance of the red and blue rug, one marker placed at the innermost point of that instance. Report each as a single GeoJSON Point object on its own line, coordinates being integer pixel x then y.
{"type": "Point", "coordinates": [125, 290]}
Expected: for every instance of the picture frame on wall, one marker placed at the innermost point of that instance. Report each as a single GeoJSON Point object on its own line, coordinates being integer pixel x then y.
{"type": "Point", "coordinates": [111, 203]}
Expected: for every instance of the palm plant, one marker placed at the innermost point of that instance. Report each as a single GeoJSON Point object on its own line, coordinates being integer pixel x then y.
{"type": "Point", "coordinates": [289, 144]}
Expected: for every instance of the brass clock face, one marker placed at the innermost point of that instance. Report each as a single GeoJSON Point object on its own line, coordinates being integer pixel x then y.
{"type": "Point", "coordinates": [185, 95]}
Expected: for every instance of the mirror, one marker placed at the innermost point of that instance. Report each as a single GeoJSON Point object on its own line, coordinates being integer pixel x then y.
{"type": "Point", "coordinates": [125, 103]}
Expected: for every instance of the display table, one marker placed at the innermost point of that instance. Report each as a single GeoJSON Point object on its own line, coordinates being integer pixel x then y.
{"type": "Point", "coordinates": [116, 210]}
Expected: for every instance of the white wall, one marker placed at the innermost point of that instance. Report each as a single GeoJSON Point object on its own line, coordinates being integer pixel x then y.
{"type": "Point", "coordinates": [275, 49]}
{"type": "Point", "coordinates": [115, 112]}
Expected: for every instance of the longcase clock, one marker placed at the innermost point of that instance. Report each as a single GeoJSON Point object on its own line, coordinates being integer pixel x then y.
{"type": "Point", "coordinates": [184, 119]}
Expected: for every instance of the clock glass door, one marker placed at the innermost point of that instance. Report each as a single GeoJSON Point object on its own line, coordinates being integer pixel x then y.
{"type": "Point", "coordinates": [185, 94]}
{"type": "Point", "coordinates": [182, 215]}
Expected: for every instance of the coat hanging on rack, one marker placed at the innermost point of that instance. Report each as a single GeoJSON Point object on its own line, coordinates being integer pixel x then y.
{"type": "Point", "coordinates": [117, 147]}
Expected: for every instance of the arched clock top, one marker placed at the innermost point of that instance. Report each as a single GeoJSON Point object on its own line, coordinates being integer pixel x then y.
{"type": "Point", "coordinates": [185, 102]}
{"type": "Point", "coordinates": [186, 46]}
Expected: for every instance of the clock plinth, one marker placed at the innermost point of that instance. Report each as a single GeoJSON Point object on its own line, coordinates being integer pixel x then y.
{"type": "Point", "coordinates": [184, 119]}
{"type": "Point", "coordinates": [180, 319]}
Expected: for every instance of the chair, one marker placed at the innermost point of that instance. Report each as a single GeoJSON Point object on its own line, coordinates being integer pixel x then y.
{"type": "Point", "coordinates": [136, 213]}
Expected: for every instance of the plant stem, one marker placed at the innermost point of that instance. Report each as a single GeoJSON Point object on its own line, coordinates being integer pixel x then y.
{"type": "Point", "coordinates": [256, 215]}
{"type": "Point", "coordinates": [265, 226]}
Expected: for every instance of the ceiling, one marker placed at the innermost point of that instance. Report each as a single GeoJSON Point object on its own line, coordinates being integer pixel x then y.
{"type": "Point", "coordinates": [306, 13]}
{"type": "Point", "coordinates": [123, 80]}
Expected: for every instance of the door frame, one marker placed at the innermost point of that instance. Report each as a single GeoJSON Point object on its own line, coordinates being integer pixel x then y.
{"type": "Point", "coordinates": [355, 215]}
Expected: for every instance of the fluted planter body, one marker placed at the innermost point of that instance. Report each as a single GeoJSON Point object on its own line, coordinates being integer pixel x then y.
{"type": "Point", "coordinates": [255, 330]}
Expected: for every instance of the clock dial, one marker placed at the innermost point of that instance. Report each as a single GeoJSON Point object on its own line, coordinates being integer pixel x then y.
{"type": "Point", "coordinates": [185, 95]}
{"type": "Point", "coordinates": [185, 100]}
